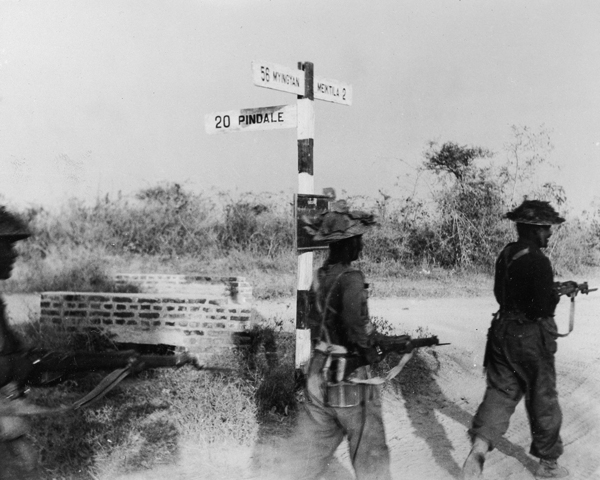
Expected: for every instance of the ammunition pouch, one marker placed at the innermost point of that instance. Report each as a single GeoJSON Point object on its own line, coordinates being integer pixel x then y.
{"type": "Point", "coordinates": [347, 394]}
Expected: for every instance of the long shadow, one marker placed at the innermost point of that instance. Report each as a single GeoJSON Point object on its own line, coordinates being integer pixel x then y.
{"type": "Point", "coordinates": [423, 396]}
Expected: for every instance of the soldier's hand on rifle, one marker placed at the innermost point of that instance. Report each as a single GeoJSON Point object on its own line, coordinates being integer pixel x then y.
{"type": "Point", "coordinates": [567, 288]}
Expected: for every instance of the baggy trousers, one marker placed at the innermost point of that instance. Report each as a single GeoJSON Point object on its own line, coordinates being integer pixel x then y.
{"type": "Point", "coordinates": [322, 428]}
{"type": "Point", "coordinates": [520, 363]}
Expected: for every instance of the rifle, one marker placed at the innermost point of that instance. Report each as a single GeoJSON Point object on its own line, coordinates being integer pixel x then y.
{"type": "Point", "coordinates": [402, 344]}
{"type": "Point", "coordinates": [386, 344]}
{"type": "Point", "coordinates": [572, 288]}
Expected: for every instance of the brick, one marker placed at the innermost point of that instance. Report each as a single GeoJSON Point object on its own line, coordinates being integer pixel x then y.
{"type": "Point", "coordinates": [107, 321]}
{"type": "Point", "coordinates": [148, 300]}
{"type": "Point", "coordinates": [44, 304]}
{"type": "Point", "coordinates": [131, 322]}
{"type": "Point", "coordinates": [173, 300]}
{"type": "Point", "coordinates": [121, 307]}
{"type": "Point", "coordinates": [124, 314]}
{"type": "Point", "coordinates": [98, 298]}
{"type": "Point", "coordinates": [76, 313]}
{"type": "Point", "coordinates": [108, 307]}
{"type": "Point", "coordinates": [122, 299]}
{"type": "Point", "coordinates": [149, 315]}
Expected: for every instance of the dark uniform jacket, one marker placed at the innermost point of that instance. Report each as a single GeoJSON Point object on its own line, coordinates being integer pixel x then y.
{"type": "Point", "coordinates": [347, 318]}
{"type": "Point", "coordinates": [524, 282]}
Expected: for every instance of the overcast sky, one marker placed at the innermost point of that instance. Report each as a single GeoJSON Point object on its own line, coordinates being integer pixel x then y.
{"type": "Point", "coordinates": [102, 96]}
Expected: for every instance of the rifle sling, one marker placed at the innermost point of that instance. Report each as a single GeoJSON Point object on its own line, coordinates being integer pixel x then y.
{"type": "Point", "coordinates": [106, 385]}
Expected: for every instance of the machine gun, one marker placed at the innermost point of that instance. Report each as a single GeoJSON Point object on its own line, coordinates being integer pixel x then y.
{"type": "Point", "coordinates": [36, 368]}
{"type": "Point", "coordinates": [572, 288]}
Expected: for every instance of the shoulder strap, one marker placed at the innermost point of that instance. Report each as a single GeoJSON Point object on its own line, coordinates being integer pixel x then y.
{"type": "Point", "coordinates": [323, 310]}
{"type": "Point", "coordinates": [507, 263]}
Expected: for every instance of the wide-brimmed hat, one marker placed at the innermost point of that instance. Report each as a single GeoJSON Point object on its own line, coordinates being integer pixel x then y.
{"type": "Point", "coordinates": [535, 212]}
{"type": "Point", "coordinates": [338, 223]}
{"type": "Point", "coordinates": [11, 226]}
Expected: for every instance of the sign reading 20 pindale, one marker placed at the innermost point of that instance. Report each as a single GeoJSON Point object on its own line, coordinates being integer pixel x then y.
{"type": "Point", "coordinates": [252, 119]}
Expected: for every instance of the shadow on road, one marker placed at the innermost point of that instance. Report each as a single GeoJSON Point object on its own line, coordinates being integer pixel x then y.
{"type": "Point", "coordinates": [423, 396]}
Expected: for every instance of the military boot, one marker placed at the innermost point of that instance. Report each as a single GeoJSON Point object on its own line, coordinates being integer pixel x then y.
{"type": "Point", "coordinates": [473, 466]}
{"type": "Point", "coordinates": [550, 469]}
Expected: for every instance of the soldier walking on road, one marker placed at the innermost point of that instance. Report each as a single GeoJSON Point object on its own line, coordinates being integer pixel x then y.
{"type": "Point", "coordinates": [519, 358]}
{"type": "Point", "coordinates": [334, 406]}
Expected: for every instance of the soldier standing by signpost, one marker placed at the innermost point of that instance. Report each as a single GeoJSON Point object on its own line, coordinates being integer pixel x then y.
{"type": "Point", "coordinates": [337, 404]}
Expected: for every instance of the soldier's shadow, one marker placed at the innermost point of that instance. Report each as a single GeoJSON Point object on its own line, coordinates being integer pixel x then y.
{"type": "Point", "coordinates": [423, 397]}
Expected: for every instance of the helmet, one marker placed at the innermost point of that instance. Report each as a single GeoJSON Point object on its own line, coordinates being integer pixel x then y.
{"type": "Point", "coordinates": [12, 226]}
{"type": "Point", "coordinates": [535, 212]}
{"type": "Point", "coordinates": [337, 224]}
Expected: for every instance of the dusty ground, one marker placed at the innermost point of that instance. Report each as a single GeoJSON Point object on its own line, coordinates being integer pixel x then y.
{"type": "Point", "coordinates": [426, 432]}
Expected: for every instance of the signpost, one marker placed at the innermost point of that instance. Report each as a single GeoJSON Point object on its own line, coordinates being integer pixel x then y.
{"type": "Point", "coordinates": [301, 82]}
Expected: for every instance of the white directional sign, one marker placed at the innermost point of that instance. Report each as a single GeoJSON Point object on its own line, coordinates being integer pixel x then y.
{"type": "Point", "coordinates": [251, 119]}
{"type": "Point", "coordinates": [276, 77]}
{"type": "Point", "coordinates": [333, 91]}
{"type": "Point", "coordinates": [291, 80]}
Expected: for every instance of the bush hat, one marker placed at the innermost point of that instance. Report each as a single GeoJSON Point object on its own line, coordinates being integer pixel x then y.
{"type": "Point", "coordinates": [338, 223]}
{"type": "Point", "coordinates": [535, 212]}
{"type": "Point", "coordinates": [11, 226]}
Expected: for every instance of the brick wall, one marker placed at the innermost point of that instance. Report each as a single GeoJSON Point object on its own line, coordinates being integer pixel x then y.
{"type": "Point", "coordinates": [202, 325]}
{"type": "Point", "coordinates": [236, 289]}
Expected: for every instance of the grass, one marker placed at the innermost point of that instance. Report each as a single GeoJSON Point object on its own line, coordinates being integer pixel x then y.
{"type": "Point", "coordinates": [144, 421]}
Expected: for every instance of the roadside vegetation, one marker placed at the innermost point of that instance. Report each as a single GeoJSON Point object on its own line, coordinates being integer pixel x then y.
{"type": "Point", "coordinates": [443, 244]}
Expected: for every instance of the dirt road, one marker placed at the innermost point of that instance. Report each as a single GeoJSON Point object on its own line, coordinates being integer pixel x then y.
{"type": "Point", "coordinates": [426, 430]}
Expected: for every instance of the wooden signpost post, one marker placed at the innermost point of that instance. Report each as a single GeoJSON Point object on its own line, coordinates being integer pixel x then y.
{"type": "Point", "coordinates": [307, 87]}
